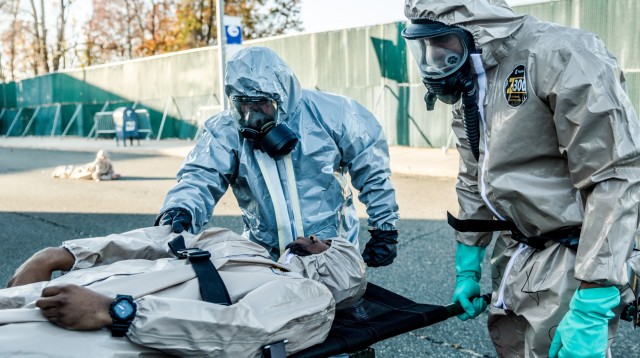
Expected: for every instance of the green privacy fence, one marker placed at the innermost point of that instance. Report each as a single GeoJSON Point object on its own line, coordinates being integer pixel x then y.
{"type": "Point", "coordinates": [370, 64]}
{"type": "Point", "coordinates": [173, 89]}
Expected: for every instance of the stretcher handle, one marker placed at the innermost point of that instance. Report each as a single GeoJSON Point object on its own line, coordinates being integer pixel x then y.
{"type": "Point", "coordinates": [455, 309]}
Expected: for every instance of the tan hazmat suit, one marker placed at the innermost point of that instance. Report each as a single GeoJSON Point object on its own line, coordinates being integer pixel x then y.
{"type": "Point", "coordinates": [562, 149]}
{"type": "Point", "coordinates": [100, 169]}
{"type": "Point", "coordinates": [271, 302]}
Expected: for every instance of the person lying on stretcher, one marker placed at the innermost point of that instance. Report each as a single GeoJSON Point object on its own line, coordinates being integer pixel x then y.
{"type": "Point", "coordinates": [294, 299]}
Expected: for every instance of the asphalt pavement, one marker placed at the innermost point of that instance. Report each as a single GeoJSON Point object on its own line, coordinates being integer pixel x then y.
{"type": "Point", "coordinates": [434, 162]}
{"type": "Point", "coordinates": [37, 211]}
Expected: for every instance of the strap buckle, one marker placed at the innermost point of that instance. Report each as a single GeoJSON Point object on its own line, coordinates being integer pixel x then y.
{"type": "Point", "coordinates": [193, 253]}
{"type": "Point", "coordinates": [275, 350]}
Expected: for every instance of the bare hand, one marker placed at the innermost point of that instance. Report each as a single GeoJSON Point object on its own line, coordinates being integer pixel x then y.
{"type": "Point", "coordinates": [41, 265]}
{"type": "Point", "coordinates": [75, 308]}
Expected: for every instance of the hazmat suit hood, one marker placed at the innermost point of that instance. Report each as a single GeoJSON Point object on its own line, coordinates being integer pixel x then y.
{"type": "Point", "coordinates": [492, 23]}
{"type": "Point", "coordinates": [259, 71]}
{"type": "Point", "coordinates": [340, 268]}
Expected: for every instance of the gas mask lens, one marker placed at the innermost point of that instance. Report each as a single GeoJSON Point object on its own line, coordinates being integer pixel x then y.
{"type": "Point", "coordinates": [254, 112]}
{"type": "Point", "coordinates": [438, 56]}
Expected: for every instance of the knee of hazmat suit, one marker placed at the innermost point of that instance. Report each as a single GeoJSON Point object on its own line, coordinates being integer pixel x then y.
{"type": "Point", "coordinates": [340, 268]}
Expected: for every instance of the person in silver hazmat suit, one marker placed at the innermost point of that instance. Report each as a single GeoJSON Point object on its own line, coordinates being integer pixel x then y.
{"type": "Point", "coordinates": [133, 285]}
{"type": "Point", "coordinates": [550, 157]}
{"type": "Point", "coordinates": [287, 153]}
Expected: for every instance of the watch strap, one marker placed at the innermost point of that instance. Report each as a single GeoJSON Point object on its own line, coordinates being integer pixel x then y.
{"type": "Point", "coordinates": [120, 329]}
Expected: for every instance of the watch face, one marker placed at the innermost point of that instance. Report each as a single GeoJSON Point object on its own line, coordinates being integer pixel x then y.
{"type": "Point", "coordinates": [123, 309]}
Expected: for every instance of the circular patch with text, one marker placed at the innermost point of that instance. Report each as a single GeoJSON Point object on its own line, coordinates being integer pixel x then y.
{"type": "Point", "coordinates": [515, 86]}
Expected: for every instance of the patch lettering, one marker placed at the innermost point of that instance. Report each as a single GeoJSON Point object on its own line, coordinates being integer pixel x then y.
{"type": "Point", "coordinates": [515, 87]}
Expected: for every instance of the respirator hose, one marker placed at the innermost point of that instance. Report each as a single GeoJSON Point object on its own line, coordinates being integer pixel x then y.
{"type": "Point", "coordinates": [470, 115]}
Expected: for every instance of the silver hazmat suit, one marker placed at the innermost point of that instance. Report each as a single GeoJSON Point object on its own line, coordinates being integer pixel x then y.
{"type": "Point", "coordinates": [559, 146]}
{"type": "Point", "coordinates": [307, 191]}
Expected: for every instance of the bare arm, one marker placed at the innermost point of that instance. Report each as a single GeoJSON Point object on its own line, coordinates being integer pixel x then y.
{"type": "Point", "coordinates": [41, 265]}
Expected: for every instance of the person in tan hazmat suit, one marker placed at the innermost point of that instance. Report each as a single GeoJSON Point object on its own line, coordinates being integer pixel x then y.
{"type": "Point", "coordinates": [159, 295]}
{"type": "Point", "coordinates": [99, 169]}
{"type": "Point", "coordinates": [550, 157]}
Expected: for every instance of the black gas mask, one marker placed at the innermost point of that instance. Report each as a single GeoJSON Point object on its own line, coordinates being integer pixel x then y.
{"type": "Point", "coordinates": [257, 119]}
{"type": "Point", "coordinates": [443, 56]}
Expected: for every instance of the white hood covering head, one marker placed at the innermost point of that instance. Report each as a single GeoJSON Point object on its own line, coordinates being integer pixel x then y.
{"type": "Point", "coordinates": [102, 154]}
{"type": "Point", "coordinates": [340, 268]}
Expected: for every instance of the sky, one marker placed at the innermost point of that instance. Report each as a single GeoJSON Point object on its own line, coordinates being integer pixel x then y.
{"type": "Point", "coordinates": [326, 15]}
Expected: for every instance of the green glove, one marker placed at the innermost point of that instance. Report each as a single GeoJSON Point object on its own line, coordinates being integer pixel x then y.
{"type": "Point", "coordinates": [583, 332]}
{"type": "Point", "coordinates": [468, 273]}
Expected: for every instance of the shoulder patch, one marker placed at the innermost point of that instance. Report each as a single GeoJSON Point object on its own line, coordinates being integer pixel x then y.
{"type": "Point", "coordinates": [515, 87]}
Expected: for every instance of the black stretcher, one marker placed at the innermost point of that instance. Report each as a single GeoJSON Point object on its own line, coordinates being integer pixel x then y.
{"type": "Point", "coordinates": [381, 314]}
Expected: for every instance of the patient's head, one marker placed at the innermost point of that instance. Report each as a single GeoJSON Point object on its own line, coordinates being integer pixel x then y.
{"type": "Point", "coordinates": [336, 263]}
{"type": "Point", "coordinates": [305, 246]}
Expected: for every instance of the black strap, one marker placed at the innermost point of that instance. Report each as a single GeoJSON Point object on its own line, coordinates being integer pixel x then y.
{"type": "Point", "coordinates": [568, 236]}
{"type": "Point", "coordinates": [473, 225]}
{"type": "Point", "coordinates": [212, 288]}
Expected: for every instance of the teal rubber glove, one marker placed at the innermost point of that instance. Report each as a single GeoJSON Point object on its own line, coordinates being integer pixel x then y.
{"type": "Point", "coordinates": [468, 273]}
{"type": "Point", "coordinates": [583, 331]}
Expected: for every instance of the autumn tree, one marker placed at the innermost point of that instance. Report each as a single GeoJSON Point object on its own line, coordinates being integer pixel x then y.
{"type": "Point", "coordinates": [40, 36]}
{"type": "Point", "coordinates": [196, 19]}
{"type": "Point", "coordinates": [126, 29]}
{"type": "Point", "coordinates": [158, 30]}
{"type": "Point", "coordinates": [110, 33]}
{"type": "Point", "coordinates": [60, 45]}
{"type": "Point", "coordinates": [19, 54]}
{"type": "Point", "coordinates": [34, 36]}
{"type": "Point", "coordinates": [9, 38]}
{"type": "Point", "coordinates": [271, 18]}
{"type": "Point", "coordinates": [195, 23]}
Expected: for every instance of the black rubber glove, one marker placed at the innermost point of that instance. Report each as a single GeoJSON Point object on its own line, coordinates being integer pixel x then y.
{"type": "Point", "coordinates": [178, 218]}
{"type": "Point", "coordinates": [381, 248]}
